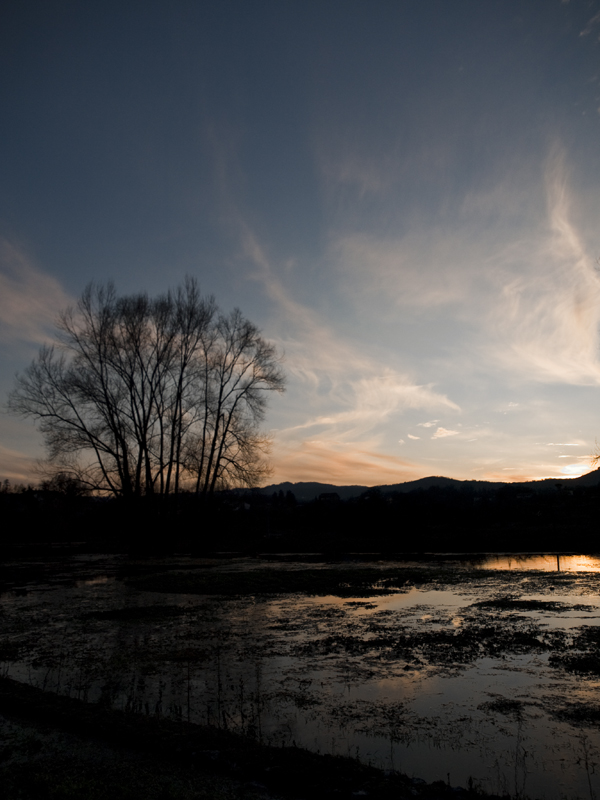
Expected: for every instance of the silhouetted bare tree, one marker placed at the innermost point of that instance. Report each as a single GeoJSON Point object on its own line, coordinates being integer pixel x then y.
{"type": "Point", "coordinates": [147, 396]}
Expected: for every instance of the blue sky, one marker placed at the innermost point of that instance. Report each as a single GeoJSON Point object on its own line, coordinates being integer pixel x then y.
{"type": "Point", "coordinates": [403, 195]}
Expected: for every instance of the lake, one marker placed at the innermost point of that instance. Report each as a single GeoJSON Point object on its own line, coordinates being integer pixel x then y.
{"type": "Point", "coordinates": [480, 671]}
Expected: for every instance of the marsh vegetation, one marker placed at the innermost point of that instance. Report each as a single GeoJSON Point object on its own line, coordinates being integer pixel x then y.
{"type": "Point", "coordinates": [477, 677]}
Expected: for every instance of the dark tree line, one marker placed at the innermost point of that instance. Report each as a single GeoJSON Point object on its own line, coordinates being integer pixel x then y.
{"type": "Point", "coordinates": [438, 519]}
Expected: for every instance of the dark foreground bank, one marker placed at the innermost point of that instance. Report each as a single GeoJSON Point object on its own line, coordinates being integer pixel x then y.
{"type": "Point", "coordinates": [58, 747]}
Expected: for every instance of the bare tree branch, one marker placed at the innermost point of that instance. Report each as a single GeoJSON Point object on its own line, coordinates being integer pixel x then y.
{"type": "Point", "coordinates": [147, 396]}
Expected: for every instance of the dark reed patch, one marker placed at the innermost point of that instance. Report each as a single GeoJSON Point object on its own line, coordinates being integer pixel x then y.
{"type": "Point", "coordinates": [137, 613]}
{"type": "Point", "coordinates": [579, 663]}
{"type": "Point", "coordinates": [584, 655]}
{"type": "Point", "coordinates": [441, 647]}
{"type": "Point", "coordinates": [509, 603]}
{"type": "Point", "coordinates": [351, 582]}
{"type": "Point", "coordinates": [577, 713]}
{"type": "Point", "coordinates": [9, 652]}
{"type": "Point", "coordinates": [366, 582]}
{"type": "Point", "coordinates": [503, 705]}
{"type": "Point", "coordinates": [589, 636]}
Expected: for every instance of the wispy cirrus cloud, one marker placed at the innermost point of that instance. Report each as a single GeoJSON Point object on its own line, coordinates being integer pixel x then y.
{"type": "Point", "coordinates": [440, 262]}
{"type": "Point", "coordinates": [419, 270]}
{"type": "Point", "coordinates": [515, 269]}
{"type": "Point", "coordinates": [314, 351]}
{"type": "Point", "coordinates": [342, 395]}
{"type": "Point", "coordinates": [443, 315]}
{"type": "Point", "coordinates": [29, 298]}
{"type": "Point", "coordinates": [347, 395]}
{"type": "Point", "coordinates": [18, 467]}
{"type": "Point", "coordinates": [330, 461]}
{"type": "Point", "coordinates": [547, 317]}
{"type": "Point", "coordinates": [374, 399]}
{"type": "Point", "coordinates": [364, 176]}
{"type": "Point", "coordinates": [591, 24]}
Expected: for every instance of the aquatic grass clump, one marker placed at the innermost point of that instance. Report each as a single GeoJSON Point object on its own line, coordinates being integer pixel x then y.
{"type": "Point", "coordinates": [584, 655]}
{"type": "Point", "coordinates": [579, 663]}
{"type": "Point", "coordinates": [445, 646]}
{"type": "Point", "coordinates": [577, 713]}
{"type": "Point", "coordinates": [503, 705]}
{"type": "Point", "coordinates": [511, 603]}
{"type": "Point", "coordinates": [589, 636]}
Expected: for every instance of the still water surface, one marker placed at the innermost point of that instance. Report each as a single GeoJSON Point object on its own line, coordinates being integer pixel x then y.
{"type": "Point", "coordinates": [459, 680]}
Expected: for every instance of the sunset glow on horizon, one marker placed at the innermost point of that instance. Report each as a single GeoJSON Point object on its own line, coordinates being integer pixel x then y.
{"type": "Point", "coordinates": [404, 197]}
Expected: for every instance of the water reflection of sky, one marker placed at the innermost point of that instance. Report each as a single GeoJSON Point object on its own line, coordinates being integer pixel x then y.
{"type": "Point", "coordinates": [546, 562]}
{"type": "Point", "coordinates": [426, 718]}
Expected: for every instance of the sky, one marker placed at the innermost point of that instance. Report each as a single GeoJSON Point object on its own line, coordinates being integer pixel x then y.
{"type": "Point", "coordinates": [403, 195]}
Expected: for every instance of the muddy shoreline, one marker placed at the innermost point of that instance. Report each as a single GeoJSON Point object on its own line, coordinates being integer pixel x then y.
{"type": "Point", "coordinates": [246, 768]}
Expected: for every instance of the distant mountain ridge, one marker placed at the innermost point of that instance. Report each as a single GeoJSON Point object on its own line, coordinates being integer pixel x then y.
{"type": "Point", "coordinates": [306, 491]}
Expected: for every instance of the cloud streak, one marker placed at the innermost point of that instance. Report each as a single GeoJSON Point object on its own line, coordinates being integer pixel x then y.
{"type": "Point", "coordinates": [515, 271]}
{"type": "Point", "coordinates": [548, 318]}
{"type": "Point", "coordinates": [315, 355]}
{"type": "Point", "coordinates": [29, 299]}
{"type": "Point", "coordinates": [347, 394]}
{"type": "Point", "coordinates": [595, 20]}
{"type": "Point", "coordinates": [18, 467]}
{"type": "Point", "coordinates": [375, 399]}
{"type": "Point", "coordinates": [442, 433]}
{"type": "Point", "coordinates": [339, 462]}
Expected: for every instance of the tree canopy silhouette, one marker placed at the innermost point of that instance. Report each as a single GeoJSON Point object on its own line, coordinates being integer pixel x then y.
{"type": "Point", "coordinates": [145, 396]}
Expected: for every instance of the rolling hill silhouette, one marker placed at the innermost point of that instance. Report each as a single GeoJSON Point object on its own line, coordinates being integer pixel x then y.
{"type": "Point", "coordinates": [307, 491]}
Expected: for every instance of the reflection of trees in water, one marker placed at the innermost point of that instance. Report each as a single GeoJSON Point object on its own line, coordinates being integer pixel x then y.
{"type": "Point", "coordinates": [547, 562]}
{"type": "Point", "coordinates": [239, 664]}
{"type": "Point", "coordinates": [206, 686]}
